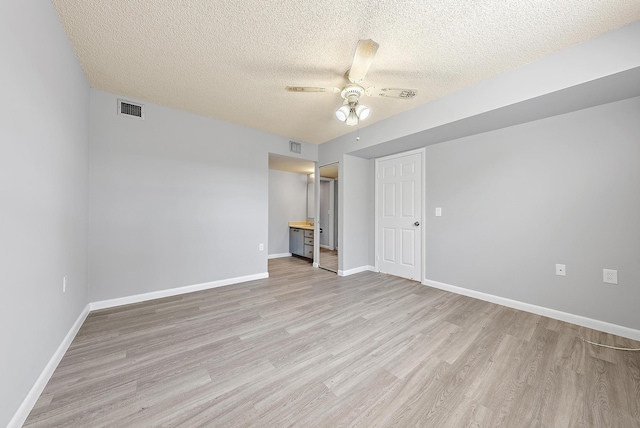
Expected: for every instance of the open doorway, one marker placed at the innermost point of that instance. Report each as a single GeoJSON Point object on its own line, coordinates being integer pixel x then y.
{"type": "Point", "coordinates": [328, 217]}
{"type": "Point", "coordinates": [288, 184]}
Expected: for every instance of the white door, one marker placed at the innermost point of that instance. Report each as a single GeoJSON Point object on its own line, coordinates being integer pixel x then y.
{"type": "Point", "coordinates": [399, 214]}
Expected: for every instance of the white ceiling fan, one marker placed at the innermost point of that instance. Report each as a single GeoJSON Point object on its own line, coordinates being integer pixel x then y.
{"type": "Point", "coordinates": [351, 110]}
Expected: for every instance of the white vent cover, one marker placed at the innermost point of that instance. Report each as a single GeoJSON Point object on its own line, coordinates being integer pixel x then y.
{"type": "Point", "coordinates": [127, 108]}
{"type": "Point", "coordinates": [295, 147]}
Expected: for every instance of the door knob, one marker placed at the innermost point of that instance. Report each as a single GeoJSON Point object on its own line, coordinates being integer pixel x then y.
{"type": "Point", "coordinates": [417, 223]}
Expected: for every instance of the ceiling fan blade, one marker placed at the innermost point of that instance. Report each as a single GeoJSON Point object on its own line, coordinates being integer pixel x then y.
{"type": "Point", "coordinates": [365, 51]}
{"type": "Point", "coordinates": [311, 89]}
{"type": "Point", "coordinates": [406, 94]}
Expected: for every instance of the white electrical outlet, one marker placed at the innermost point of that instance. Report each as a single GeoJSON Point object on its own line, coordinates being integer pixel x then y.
{"type": "Point", "coordinates": [561, 270]}
{"type": "Point", "coordinates": [438, 212]}
{"type": "Point", "coordinates": [260, 247]}
{"type": "Point", "coordinates": [64, 284]}
{"type": "Point", "coordinates": [610, 276]}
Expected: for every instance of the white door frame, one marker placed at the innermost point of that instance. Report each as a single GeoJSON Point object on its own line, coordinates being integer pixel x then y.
{"type": "Point", "coordinates": [422, 152]}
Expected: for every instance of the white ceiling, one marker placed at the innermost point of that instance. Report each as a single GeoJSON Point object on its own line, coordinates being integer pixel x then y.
{"type": "Point", "coordinates": [231, 60]}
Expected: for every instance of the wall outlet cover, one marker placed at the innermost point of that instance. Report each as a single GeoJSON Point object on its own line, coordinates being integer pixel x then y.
{"type": "Point", "coordinates": [610, 276]}
{"type": "Point", "coordinates": [561, 270]}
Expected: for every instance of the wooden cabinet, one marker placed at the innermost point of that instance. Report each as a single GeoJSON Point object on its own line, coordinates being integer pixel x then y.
{"type": "Point", "coordinates": [301, 242]}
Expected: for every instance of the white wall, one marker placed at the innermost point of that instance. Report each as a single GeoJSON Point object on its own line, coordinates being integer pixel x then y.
{"type": "Point", "coordinates": [175, 199]}
{"type": "Point", "coordinates": [287, 202]}
{"type": "Point", "coordinates": [519, 200]}
{"type": "Point", "coordinates": [44, 133]}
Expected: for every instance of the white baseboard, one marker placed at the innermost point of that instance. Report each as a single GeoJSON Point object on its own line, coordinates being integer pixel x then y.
{"type": "Point", "coordinates": [137, 298]}
{"type": "Point", "coordinates": [32, 397]}
{"type": "Point", "coordinates": [356, 270]}
{"type": "Point", "coordinates": [540, 310]}
{"type": "Point", "coordinates": [277, 256]}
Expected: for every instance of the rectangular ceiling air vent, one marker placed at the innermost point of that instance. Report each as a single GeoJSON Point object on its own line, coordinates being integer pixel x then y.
{"type": "Point", "coordinates": [126, 108]}
{"type": "Point", "coordinates": [295, 147]}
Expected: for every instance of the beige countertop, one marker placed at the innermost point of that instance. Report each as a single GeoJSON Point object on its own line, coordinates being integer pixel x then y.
{"type": "Point", "coordinates": [301, 225]}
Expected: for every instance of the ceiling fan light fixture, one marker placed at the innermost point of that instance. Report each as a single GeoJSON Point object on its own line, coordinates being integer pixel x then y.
{"type": "Point", "coordinates": [342, 113]}
{"type": "Point", "coordinates": [352, 112]}
{"type": "Point", "coordinates": [352, 119]}
{"type": "Point", "coordinates": [362, 111]}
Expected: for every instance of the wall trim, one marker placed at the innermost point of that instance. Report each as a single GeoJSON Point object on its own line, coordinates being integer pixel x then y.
{"type": "Point", "coordinates": [137, 298]}
{"type": "Point", "coordinates": [32, 397]}
{"type": "Point", "coordinates": [580, 320]}
{"type": "Point", "coordinates": [277, 256]}
{"type": "Point", "coordinates": [356, 270]}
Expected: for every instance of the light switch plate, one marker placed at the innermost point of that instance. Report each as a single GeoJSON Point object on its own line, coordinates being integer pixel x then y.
{"type": "Point", "coordinates": [438, 212]}
{"type": "Point", "coordinates": [561, 270]}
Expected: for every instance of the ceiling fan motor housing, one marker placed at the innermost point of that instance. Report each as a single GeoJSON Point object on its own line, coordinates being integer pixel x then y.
{"type": "Point", "coordinates": [352, 93]}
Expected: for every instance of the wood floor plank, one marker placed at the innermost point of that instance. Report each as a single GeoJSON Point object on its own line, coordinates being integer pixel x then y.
{"type": "Point", "coordinates": [306, 347]}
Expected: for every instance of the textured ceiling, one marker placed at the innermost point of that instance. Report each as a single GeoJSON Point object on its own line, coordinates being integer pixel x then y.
{"type": "Point", "coordinates": [231, 60]}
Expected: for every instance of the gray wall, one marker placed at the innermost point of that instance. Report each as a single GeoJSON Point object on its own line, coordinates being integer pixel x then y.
{"type": "Point", "coordinates": [371, 233]}
{"type": "Point", "coordinates": [519, 200]}
{"type": "Point", "coordinates": [585, 75]}
{"type": "Point", "coordinates": [287, 202]}
{"type": "Point", "coordinates": [356, 194]}
{"type": "Point", "coordinates": [175, 199]}
{"type": "Point", "coordinates": [44, 133]}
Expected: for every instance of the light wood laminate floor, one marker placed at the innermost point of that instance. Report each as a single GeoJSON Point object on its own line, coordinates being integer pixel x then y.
{"type": "Point", "coordinates": [329, 259]}
{"type": "Point", "coordinates": [307, 348]}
